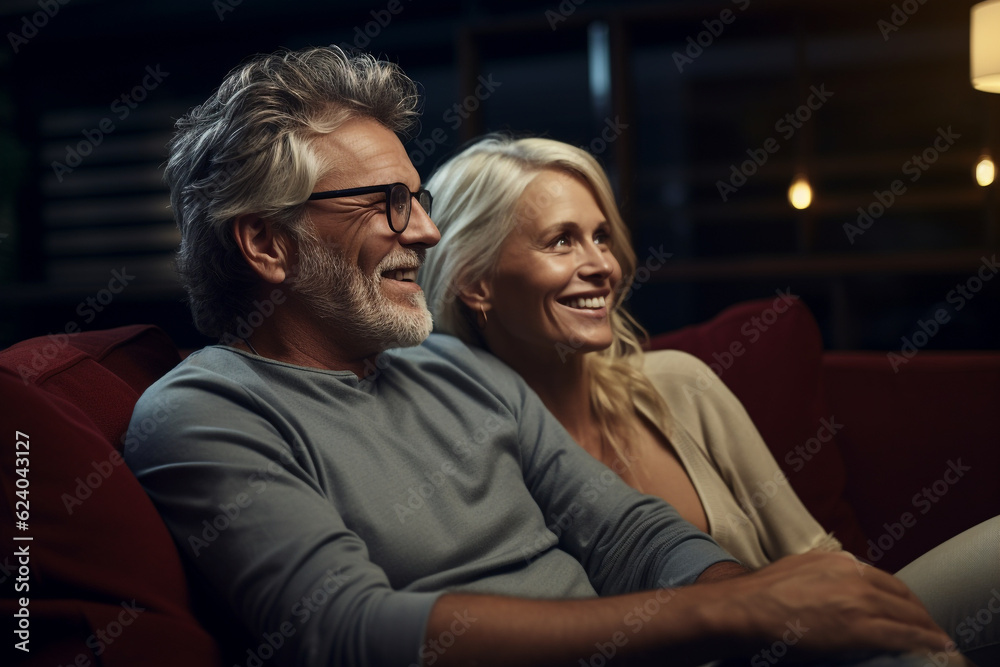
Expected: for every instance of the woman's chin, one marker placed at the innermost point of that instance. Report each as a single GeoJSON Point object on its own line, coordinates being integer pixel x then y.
{"type": "Point", "coordinates": [582, 345]}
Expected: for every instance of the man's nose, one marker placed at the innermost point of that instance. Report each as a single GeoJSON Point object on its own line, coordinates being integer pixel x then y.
{"type": "Point", "coordinates": [421, 230]}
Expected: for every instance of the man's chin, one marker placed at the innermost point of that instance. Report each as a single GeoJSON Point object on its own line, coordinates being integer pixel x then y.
{"type": "Point", "coordinates": [417, 338]}
{"type": "Point", "coordinates": [409, 342]}
{"type": "Point", "coordinates": [414, 330]}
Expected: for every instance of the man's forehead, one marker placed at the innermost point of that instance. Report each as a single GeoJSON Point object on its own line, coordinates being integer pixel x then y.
{"type": "Point", "coordinates": [363, 152]}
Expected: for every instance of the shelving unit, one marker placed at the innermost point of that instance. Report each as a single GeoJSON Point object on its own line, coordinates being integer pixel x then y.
{"type": "Point", "coordinates": [681, 132]}
{"type": "Point", "coordinates": [890, 98]}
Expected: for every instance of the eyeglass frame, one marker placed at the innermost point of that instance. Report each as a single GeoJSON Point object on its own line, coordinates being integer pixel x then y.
{"type": "Point", "coordinates": [387, 189]}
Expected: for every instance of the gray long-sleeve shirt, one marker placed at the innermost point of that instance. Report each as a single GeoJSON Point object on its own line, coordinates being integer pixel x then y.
{"type": "Point", "coordinates": [334, 510]}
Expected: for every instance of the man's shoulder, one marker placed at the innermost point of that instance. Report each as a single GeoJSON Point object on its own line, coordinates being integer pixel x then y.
{"type": "Point", "coordinates": [447, 358]}
{"type": "Point", "coordinates": [438, 348]}
{"type": "Point", "coordinates": [445, 346]}
{"type": "Point", "coordinates": [199, 392]}
{"type": "Point", "coordinates": [210, 367]}
{"type": "Point", "coordinates": [216, 387]}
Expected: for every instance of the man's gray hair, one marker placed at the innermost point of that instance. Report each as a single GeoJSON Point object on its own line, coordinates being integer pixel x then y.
{"type": "Point", "coordinates": [249, 150]}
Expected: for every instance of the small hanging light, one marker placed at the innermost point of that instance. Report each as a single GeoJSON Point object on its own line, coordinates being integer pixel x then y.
{"type": "Point", "coordinates": [986, 171]}
{"type": "Point", "coordinates": [800, 193]}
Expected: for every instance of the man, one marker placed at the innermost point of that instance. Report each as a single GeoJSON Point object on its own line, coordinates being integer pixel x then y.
{"type": "Point", "coordinates": [418, 506]}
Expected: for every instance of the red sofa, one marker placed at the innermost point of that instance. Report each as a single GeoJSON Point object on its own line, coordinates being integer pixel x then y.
{"type": "Point", "coordinates": [858, 441]}
{"type": "Point", "coordinates": [893, 454]}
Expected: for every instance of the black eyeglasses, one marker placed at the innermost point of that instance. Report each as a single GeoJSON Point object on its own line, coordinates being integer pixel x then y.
{"type": "Point", "coordinates": [398, 201]}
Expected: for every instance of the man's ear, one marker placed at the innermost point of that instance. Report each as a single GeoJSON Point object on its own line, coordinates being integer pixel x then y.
{"type": "Point", "coordinates": [265, 250]}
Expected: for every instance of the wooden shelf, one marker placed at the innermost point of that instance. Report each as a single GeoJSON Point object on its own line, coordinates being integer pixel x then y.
{"type": "Point", "coordinates": [727, 270]}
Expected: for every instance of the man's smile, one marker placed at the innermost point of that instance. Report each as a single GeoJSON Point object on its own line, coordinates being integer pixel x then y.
{"type": "Point", "coordinates": [404, 275]}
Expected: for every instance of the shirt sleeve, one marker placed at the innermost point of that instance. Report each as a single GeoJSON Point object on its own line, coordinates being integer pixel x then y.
{"type": "Point", "coordinates": [246, 510]}
{"type": "Point", "coordinates": [627, 541]}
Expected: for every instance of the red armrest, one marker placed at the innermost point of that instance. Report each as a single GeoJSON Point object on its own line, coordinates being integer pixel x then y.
{"type": "Point", "coordinates": [921, 445]}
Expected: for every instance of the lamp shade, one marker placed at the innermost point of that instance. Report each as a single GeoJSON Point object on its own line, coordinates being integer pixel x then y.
{"type": "Point", "coordinates": [985, 46]}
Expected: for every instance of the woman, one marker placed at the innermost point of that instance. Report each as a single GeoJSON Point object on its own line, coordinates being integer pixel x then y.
{"type": "Point", "coordinates": [533, 259]}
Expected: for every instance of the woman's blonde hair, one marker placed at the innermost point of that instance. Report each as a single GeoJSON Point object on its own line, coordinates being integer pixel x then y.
{"type": "Point", "coordinates": [477, 195]}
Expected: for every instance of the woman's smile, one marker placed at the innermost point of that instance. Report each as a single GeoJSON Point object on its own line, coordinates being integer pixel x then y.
{"type": "Point", "coordinates": [555, 278]}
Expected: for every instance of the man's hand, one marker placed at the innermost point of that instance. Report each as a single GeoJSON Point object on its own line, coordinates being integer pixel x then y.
{"type": "Point", "coordinates": [815, 604]}
{"type": "Point", "coordinates": [829, 602]}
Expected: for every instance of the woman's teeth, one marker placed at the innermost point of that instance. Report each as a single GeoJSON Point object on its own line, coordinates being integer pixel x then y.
{"type": "Point", "coordinates": [596, 302]}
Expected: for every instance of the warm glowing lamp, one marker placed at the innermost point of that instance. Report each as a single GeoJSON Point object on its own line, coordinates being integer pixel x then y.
{"type": "Point", "coordinates": [985, 46]}
{"type": "Point", "coordinates": [986, 171]}
{"type": "Point", "coordinates": [800, 194]}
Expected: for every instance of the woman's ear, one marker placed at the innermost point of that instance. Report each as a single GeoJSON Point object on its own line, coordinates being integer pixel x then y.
{"type": "Point", "coordinates": [264, 249]}
{"type": "Point", "coordinates": [477, 296]}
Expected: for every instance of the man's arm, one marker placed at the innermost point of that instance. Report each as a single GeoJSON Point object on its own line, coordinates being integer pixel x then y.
{"type": "Point", "coordinates": [721, 572]}
{"type": "Point", "coordinates": [245, 508]}
{"type": "Point", "coordinates": [629, 544]}
{"type": "Point", "coordinates": [816, 603]}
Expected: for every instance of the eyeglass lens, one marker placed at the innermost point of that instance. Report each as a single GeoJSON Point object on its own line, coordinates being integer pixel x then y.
{"type": "Point", "coordinates": [400, 204]}
{"type": "Point", "coordinates": [399, 208]}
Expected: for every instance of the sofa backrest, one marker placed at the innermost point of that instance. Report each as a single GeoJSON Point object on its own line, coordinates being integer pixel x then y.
{"type": "Point", "coordinates": [916, 447]}
{"type": "Point", "coordinates": [106, 582]}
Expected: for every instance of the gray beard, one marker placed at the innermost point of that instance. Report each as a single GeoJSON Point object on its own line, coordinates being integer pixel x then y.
{"type": "Point", "coordinates": [338, 292]}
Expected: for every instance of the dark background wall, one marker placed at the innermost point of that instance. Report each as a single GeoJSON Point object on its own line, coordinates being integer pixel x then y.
{"type": "Point", "coordinates": [673, 98]}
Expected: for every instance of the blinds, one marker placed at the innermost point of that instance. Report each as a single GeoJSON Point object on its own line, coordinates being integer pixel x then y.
{"type": "Point", "coordinates": [104, 203]}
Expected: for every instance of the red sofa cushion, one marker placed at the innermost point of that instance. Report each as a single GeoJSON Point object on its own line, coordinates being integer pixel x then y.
{"type": "Point", "coordinates": [106, 580]}
{"type": "Point", "coordinates": [769, 353]}
{"type": "Point", "coordinates": [930, 417]}
{"type": "Point", "coordinates": [101, 372]}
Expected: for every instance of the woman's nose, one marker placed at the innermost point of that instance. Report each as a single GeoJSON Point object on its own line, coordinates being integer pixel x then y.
{"type": "Point", "coordinates": [597, 261]}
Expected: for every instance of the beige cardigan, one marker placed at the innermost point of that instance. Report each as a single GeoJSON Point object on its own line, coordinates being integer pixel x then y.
{"type": "Point", "coordinates": [751, 508]}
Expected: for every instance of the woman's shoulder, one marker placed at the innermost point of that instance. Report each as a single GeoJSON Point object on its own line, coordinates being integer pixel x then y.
{"type": "Point", "coordinates": [674, 363]}
{"type": "Point", "coordinates": [686, 382]}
